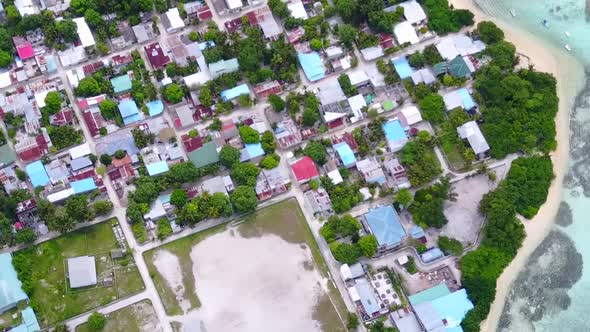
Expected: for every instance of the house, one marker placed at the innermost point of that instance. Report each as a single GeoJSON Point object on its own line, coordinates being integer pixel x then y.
{"type": "Point", "coordinates": [205, 155]}
{"type": "Point", "coordinates": [286, 133]}
{"type": "Point", "coordinates": [297, 10]}
{"type": "Point", "coordinates": [371, 170]}
{"type": "Point", "coordinates": [409, 116]}
{"type": "Point", "coordinates": [129, 111]}
{"type": "Point", "coordinates": [10, 181]}
{"type": "Point", "coordinates": [335, 114]}
{"type": "Point", "coordinates": [459, 98]}
{"type": "Point", "coordinates": [295, 35]}
{"type": "Point", "coordinates": [319, 201]}
{"type": "Point", "coordinates": [155, 107]}
{"type": "Point", "coordinates": [397, 171]}
{"type": "Point", "coordinates": [156, 56]}
{"type": "Point", "coordinates": [470, 131]}
{"type": "Point", "coordinates": [271, 182]}
{"type": "Point", "coordinates": [37, 174]}
{"type": "Point", "coordinates": [345, 153]}
{"type": "Point", "coordinates": [72, 56]}
{"type": "Point", "coordinates": [384, 223]}
{"type": "Point", "coordinates": [184, 116]}
{"type": "Point", "coordinates": [143, 32]}
{"type": "Point", "coordinates": [172, 21]}
{"type": "Point", "coordinates": [214, 185]}
{"type": "Point", "coordinates": [439, 309]}
{"type": "Point", "coordinates": [157, 168]}
{"type": "Point", "coordinates": [12, 292]}
{"type": "Point", "coordinates": [330, 91]}
{"type": "Point", "coordinates": [84, 33]}
{"type": "Point", "coordinates": [358, 78]}
{"type": "Point", "coordinates": [402, 67]}
{"type": "Point", "coordinates": [334, 52]}
{"type": "Point", "coordinates": [424, 75]}
{"type": "Point", "coordinates": [357, 105]}
{"type": "Point", "coordinates": [413, 12]}
{"type": "Point", "coordinates": [304, 170]}
{"type": "Point", "coordinates": [251, 152]}
{"type": "Point", "coordinates": [264, 19]}
{"type": "Point", "coordinates": [372, 53]}
{"type": "Point", "coordinates": [459, 45]}
{"type": "Point", "coordinates": [81, 271]}
{"type": "Point", "coordinates": [121, 83]}
{"type": "Point", "coordinates": [121, 169]}
{"type": "Point", "coordinates": [223, 67]}
{"type": "Point", "coordinates": [235, 92]}
{"type": "Point", "coordinates": [386, 41]}
{"type": "Point", "coordinates": [7, 155]}
{"type": "Point", "coordinates": [312, 65]}
{"type": "Point", "coordinates": [81, 163]}
{"type": "Point", "coordinates": [233, 5]}
{"type": "Point", "coordinates": [26, 7]}
{"type": "Point", "coordinates": [197, 79]}
{"type": "Point", "coordinates": [395, 135]}
{"type": "Point", "coordinates": [405, 33]}
{"type": "Point", "coordinates": [24, 49]}
{"type": "Point", "coordinates": [265, 89]}
{"type": "Point", "coordinates": [31, 148]}
{"type": "Point", "coordinates": [364, 297]}
{"type": "Point", "coordinates": [85, 103]}
{"type": "Point", "coordinates": [351, 272]}
{"type": "Point", "coordinates": [119, 140]}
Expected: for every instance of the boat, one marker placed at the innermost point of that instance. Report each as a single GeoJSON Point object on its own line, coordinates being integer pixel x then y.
{"type": "Point", "coordinates": [567, 47]}
{"type": "Point", "coordinates": [512, 12]}
{"type": "Point", "coordinates": [546, 24]}
{"type": "Point", "coordinates": [567, 34]}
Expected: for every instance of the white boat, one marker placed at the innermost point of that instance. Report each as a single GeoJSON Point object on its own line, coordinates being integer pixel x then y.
{"type": "Point", "coordinates": [512, 12]}
{"type": "Point", "coordinates": [567, 47]}
{"type": "Point", "coordinates": [567, 34]}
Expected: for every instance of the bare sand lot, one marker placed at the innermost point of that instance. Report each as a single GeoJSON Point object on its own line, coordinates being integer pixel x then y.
{"type": "Point", "coordinates": [138, 317]}
{"type": "Point", "coordinates": [264, 274]}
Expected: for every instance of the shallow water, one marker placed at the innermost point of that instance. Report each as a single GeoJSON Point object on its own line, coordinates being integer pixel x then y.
{"type": "Point", "coordinates": [552, 292]}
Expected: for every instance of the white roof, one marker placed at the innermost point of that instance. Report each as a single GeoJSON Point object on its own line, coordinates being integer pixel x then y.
{"type": "Point", "coordinates": [60, 195]}
{"type": "Point", "coordinates": [423, 75]}
{"type": "Point", "coordinates": [297, 10]}
{"type": "Point", "coordinates": [357, 77]}
{"type": "Point", "coordinates": [330, 92]}
{"type": "Point", "coordinates": [412, 115]}
{"type": "Point", "coordinates": [5, 79]}
{"type": "Point", "coordinates": [233, 4]}
{"type": "Point", "coordinates": [451, 47]}
{"type": "Point", "coordinates": [357, 103]}
{"type": "Point", "coordinates": [405, 33]}
{"type": "Point", "coordinates": [26, 7]}
{"type": "Point", "coordinates": [331, 116]}
{"type": "Point", "coordinates": [452, 100]}
{"type": "Point", "coordinates": [82, 271]}
{"type": "Point", "coordinates": [84, 32]}
{"type": "Point", "coordinates": [477, 141]}
{"type": "Point", "coordinates": [74, 76]}
{"type": "Point", "coordinates": [80, 151]}
{"type": "Point", "coordinates": [72, 55]}
{"type": "Point", "coordinates": [335, 176]}
{"type": "Point", "coordinates": [413, 12]}
{"type": "Point", "coordinates": [40, 97]}
{"type": "Point", "coordinates": [447, 48]}
{"type": "Point", "coordinates": [372, 53]}
{"type": "Point", "coordinates": [197, 79]}
{"type": "Point", "coordinates": [334, 51]}
{"type": "Point", "coordinates": [403, 260]}
{"type": "Point", "coordinates": [173, 16]}
{"type": "Point", "coordinates": [354, 295]}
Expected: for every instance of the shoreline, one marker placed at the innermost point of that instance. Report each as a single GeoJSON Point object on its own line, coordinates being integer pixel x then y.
{"type": "Point", "coordinates": [564, 68]}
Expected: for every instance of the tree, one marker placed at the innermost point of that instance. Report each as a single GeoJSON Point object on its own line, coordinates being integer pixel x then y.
{"type": "Point", "coordinates": [249, 135]}
{"type": "Point", "coordinates": [228, 156]}
{"type": "Point", "coordinates": [428, 205]}
{"type": "Point", "coordinates": [347, 87]}
{"type": "Point", "coordinates": [420, 161]}
{"type": "Point", "coordinates": [142, 138]}
{"type": "Point", "coordinates": [310, 117]}
{"type": "Point", "coordinates": [277, 103]}
{"type": "Point", "coordinates": [348, 9]}
{"type": "Point", "coordinates": [368, 245]}
{"type": "Point", "coordinates": [245, 173]}
{"type": "Point", "coordinates": [503, 54]}
{"type": "Point", "coordinates": [205, 96]}
{"type": "Point", "coordinates": [26, 236]}
{"type": "Point", "coordinates": [108, 109]}
{"type": "Point", "coordinates": [339, 227]}
{"type": "Point", "coordinates": [178, 198]}
{"type": "Point", "coordinates": [53, 102]}
{"type": "Point", "coordinates": [345, 253]}
{"type": "Point", "coordinates": [173, 93]}
{"type": "Point", "coordinates": [163, 228]}
{"type": "Point", "coordinates": [347, 34]}
{"type": "Point", "coordinates": [64, 136]}
{"type": "Point", "coordinates": [220, 206]}
{"type": "Point", "coordinates": [77, 208]}
{"type": "Point", "coordinates": [96, 321]}
{"type": "Point", "coordinates": [243, 199]}
{"type": "Point", "coordinates": [489, 33]}
{"type": "Point", "coordinates": [135, 212]}
{"type": "Point", "coordinates": [431, 56]}
{"type": "Point", "coordinates": [404, 197]}
{"type": "Point", "coordinates": [105, 159]}
{"type": "Point", "coordinates": [67, 30]}
{"type": "Point", "coordinates": [316, 44]}
{"type": "Point", "coordinates": [432, 107]}
{"type": "Point", "coordinates": [450, 246]}
{"type": "Point", "coordinates": [93, 18]}
{"type": "Point", "coordinates": [379, 326]}
{"type": "Point", "coordinates": [120, 154]}
{"type": "Point", "coordinates": [87, 87]}
{"type": "Point", "coordinates": [60, 221]}
{"type": "Point", "coordinates": [12, 15]}
{"type": "Point", "coordinates": [103, 207]}
{"type": "Point", "coordinates": [416, 59]}
{"type": "Point", "coordinates": [193, 36]}
{"type": "Point", "coordinates": [190, 214]}
{"type": "Point", "coordinates": [268, 142]}
{"type": "Point", "coordinates": [316, 151]}
{"type": "Point", "coordinates": [352, 321]}
{"type": "Point", "coordinates": [185, 172]}
{"type": "Point", "coordinates": [270, 162]}
{"type": "Point", "coordinates": [279, 8]}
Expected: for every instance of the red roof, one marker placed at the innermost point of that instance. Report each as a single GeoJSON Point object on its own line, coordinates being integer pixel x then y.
{"type": "Point", "coordinates": [233, 25]}
{"type": "Point", "coordinates": [191, 144]}
{"type": "Point", "coordinates": [84, 103]}
{"type": "Point", "coordinates": [62, 118]}
{"type": "Point", "coordinates": [304, 169]}
{"type": "Point", "coordinates": [264, 89]}
{"type": "Point", "coordinates": [119, 60]}
{"type": "Point", "coordinates": [252, 18]}
{"type": "Point", "coordinates": [204, 13]}
{"type": "Point", "coordinates": [156, 56]}
{"type": "Point", "coordinates": [91, 123]}
{"type": "Point", "coordinates": [18, 225]}
{"type": "Point", "coordinates": [92, 68]}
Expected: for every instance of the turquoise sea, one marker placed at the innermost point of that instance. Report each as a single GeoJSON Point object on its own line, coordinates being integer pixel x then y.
{"type": "Point", "coordinates": [552, 292]}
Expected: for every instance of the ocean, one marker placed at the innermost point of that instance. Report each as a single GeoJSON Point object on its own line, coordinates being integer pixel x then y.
{"type": "Point", "coordinates": [552, 292]}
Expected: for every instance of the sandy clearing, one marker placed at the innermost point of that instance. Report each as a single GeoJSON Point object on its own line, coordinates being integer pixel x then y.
{"type": "Point", "coordinates": [245, 286]}
{"type": "Point", "coordinates": [569, 74]}
{"type": "Point", "coordinates": [146, 317]}
{"type": "Point", "coordinates": [168, 266]}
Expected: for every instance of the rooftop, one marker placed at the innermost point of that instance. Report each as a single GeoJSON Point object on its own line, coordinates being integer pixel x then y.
{"type": "Point", "coordinates": [385, 225]}
{"type": "Point", "coordinates": [121, 83]}
{"type": "Point", "coordinates": [173, 19]}
{"type": "Point", "coordinates": [129, 111]}
{"type": "Point", "coordinates": [405, 33]}
{"type": "Point", "coordinates": [345, 153]}
{"type": "Point", "coordinates": [470, 131]}
{"type": "Point", "coordinates": [402, 67]}
{"type": "Point", "coordinates": [155, 107]}
{"type": "Point", "coordinates": [459, 98]}
{"type": "Point", "coordinates": [297, 10]}
{"type": "Point", "coordinates": [439, 309]}
{"type": "Point", "coordinates": [84, 32]}
{"type": "Point", "coordinates": [83, 186]}
{"type": "Point", "coordinates": [304, 169]}
{"type": "Point", "coordinates": [82, 271]}
{"type": "Point", "coordinates": [11, 291]}
{"type": "Point", "coordinates": [235, 92]}
{"type": "Point", "coordinates": [7, 155]}
{"type": "Point", "coordinates": [37, 174]}
{"type": "Point", "coordinates": [413, 12]}
{"type": "Point", "coordinates": [157, 168]}
{"type": "Point", "coordinates": [312, 65]}
{"type": "Point", "coordinates": [205, 155]}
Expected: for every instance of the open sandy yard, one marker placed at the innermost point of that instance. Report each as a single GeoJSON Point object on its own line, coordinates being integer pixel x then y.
{"type": "Point", "coordinates": [138, 317]}
{"type": "Point", "coordinates": [263, 274]}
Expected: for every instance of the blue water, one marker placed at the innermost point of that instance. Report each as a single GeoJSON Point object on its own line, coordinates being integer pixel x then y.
{"type": "Point", "coordinates": [552, 292]}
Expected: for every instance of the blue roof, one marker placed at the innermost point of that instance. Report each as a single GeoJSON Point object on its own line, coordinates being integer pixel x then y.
{"type": "Point", "coordinates": [83, 186]}
{"type": "Point", "coordinates": [121, 83]}
{"type": "Point", "coordinates": [312, 65]}
{"type": "Point", "coordinates": [431, 255]}
{"type": "Point", "coordinates": [157, 168]}
{"type": "Point", "coordinates": [11, 291]}
{"type": "Point", "coordinates": [438, 304]}
{"type": "Point", "coordinates": [206, 44]}
{"type": "Point", "coordinates": [254, 150]}
{"type": "Point", "coordinates": [129, 111]}
{"type": "Point", "coordinates": [345, 153]}
{"type": "Point", "coordinates": [385, 225]}
{"type": "Point", "coordinates": [402, 67]}
{"type": "Point", "coordinates": [30, 323]}
{"type": "Point", "coordinates": [165, 198]}
{"type": "Point", "coordinates": [417, 232]}
{"type": "Point", "coordinates": [429, 294]}
{"type": "Point", "coordinates": [466, 99]}
{"type": "Point", "coordinates": [453, 307]}
{"type": "Point", "coordinates": [235, 92]}
{"type": "Point", "coordinates": [37, 173]}
{"type": "Point", "coordinates": [394, 131]}
{"type": "Point", "coordinates": [367, 296]}
{"type": "Point", "coordinates": [51, 63]}
{"type": "Point", "coordinates": [155, 107]}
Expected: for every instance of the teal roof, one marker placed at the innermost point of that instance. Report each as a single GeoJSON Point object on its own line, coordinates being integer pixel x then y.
{"type": "Point", "coordinates": [429, 294]}
{"type": "Point", "coordinates": [155, 107]}
{"type": "Point", "coordinates": [83, 186]}
{"type": "Point", "coordinates": [402, 67]}
{"type": "Point", "coordinates": [11, 291]}
{"type": "Point", "coordinates": [121, 83]}
{"type": "Point", "coordinates": [458, 67]}
{"type": "Point", "coordinates": [157, 168]}
{"type": "Point", "coordinates": [7, 154]}
{"type": "Point", "coordinates": [345, 153]}
{"type": "Point", "coordinates": [445, 312]}
{"type": "Point", "coordinates": [30, 323]}
{"type": "Point", "coordinates": [224, 66]}
{"type": "Point", "coordinates": [205, 155]}
{"type": "Point", "coordinates": [235, 92]}
{"type": "Point", "coordinates": [394, 131]}
{"type": "Point", "coordinates": [312, 65]}
{"type": "Point", "coordinates": [37, 173]}
{"type": "Point", "coordinates": [254, 150]}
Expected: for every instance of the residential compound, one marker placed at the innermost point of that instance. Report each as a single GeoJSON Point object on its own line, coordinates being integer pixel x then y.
{"type": "Point", "coordinates": [238, 106]}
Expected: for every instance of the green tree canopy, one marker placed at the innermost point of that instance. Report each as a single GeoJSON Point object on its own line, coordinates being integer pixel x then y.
{"type": "Point", "coordinates": [245, 174]}
{"type": "Point", "coordinates": [249, 135]}
{"type": "Point", "coordinates": [229, 156]}
{"type": "Point", "coordinates": [243, 199]}
{"type": "Point", "coordinates": [316, 151]}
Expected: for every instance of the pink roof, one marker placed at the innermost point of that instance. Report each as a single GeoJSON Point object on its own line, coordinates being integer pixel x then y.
{"type": "Point", "coordinates": [304, 169]}
{"type": "Point", "coordinates": [25, 51]}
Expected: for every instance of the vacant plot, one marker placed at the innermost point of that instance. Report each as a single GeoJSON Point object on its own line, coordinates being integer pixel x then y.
{"type": "Point", "coordinates": [138, 317]}
{"type": "Point", "coordinates": [265, 274]}
{"type": "Point", "coordinates": [42, 269]}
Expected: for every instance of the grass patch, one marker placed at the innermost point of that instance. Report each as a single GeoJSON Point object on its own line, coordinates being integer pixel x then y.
{"type": "Point", "coordinates": [43, 269]}
{"type": "Point", "coordinates": [129, 319]}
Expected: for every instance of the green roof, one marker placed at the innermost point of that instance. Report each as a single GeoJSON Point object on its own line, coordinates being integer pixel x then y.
{"type": "Point", "coordinates": [7, 155]}
{"type": "Point", "coordinates": [205, 155]}
{"type": "Point", "coordinates": [440, 68]}
{"type": "Point", "coordinates": [458, 67]}
{"type": "Point", "coordinates": [430, 294]}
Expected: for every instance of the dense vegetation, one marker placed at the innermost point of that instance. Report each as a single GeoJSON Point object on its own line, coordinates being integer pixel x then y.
{"type": "Point", "coordinates": [420, 161]}
{"type": "Point", "coordinates": [340, 227]}
{"type": "Point", "coordinates": [442, 19]}
{"type": "Point", "coordinates": [344, 196]}
{"type": "Point", "coordinates": [428, 205]}
{"type": "Point", "coordinates": [523, 191]}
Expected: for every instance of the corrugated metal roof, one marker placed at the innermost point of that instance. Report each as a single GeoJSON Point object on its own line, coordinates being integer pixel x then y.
{"type": "Point", "coordinates": [385, 225]}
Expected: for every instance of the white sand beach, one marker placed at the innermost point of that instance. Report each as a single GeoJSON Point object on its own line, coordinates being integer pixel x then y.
{"type": "Point", "coordinates": [569, 74]}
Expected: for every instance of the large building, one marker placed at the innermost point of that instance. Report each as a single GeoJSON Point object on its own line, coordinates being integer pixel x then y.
{"type": "Point", "coordinates": [82, 271]}
{"type": "Point", "coordinates": [11, 292]}
{"type": "Point", "coordinates": [437, 309]}
{"type": "Point", "coordinates": [384, 223]}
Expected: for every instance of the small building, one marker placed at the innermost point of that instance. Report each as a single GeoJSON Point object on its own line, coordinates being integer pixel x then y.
{"type": "Point", "coordinates": [121, 83]}
{"type": "Point", "coordinates": [470, 131]}
{"type": "Point", "coordinates": [384, 223]}
{"type": "Point", "coordinates": [184, 116]}
{"type": "Point", "coordinates": [157, 168]}
{"type": "Point", "coordinates": [431, 255]}
{"type": "Point", "coordinates": [371, 171]}
{"type": "Point", "coordinates": [83, 186]}
{"type": "Point", "coordinates": [395, 135]}
{"type": "Point", "coordinates": [413, 12]}
{"type": "Point", "coordinates": [459, 45]}
{"type": "Point", "coordinates": [197, 79]}
{"type": "Point", "coordinates": [251, 152]}
{"type": "Point", "coordinates": [405, 33]}
{"type": "Point", "coordinates": [156, 56]}
{"type": "Point", "coordinates": [438, 309]}
{"type": "Point", "coordinates": [155, 107]}
{"type": "Point", "coordinates": [12, 292]}
{"type": "Point", "coordinates": [286, 133]}
{"type": "Point", "coordinates": [345, 153]}
{"type": "Point", "coordinates": [235, 92]}
{"type": "Point", "coordinates": [223, 67]}
{"type": "Point", "coordinates": [424, 75]}
{"type": "Point", "coordinates": [129, 111]}
{"type": "Point", "coordinates": [397, 171]}
{"type": "Point", "coordinates": [357, 104]}
{"type": "Point", "coordinates": [143, 32]}
{"type": "Point", "coordinates": [265, 89]}
{"type": "Point", "coordinates": [349, 272]}
{"type": "Point", "coordinates": [402, 67]}
{"type": "Point", "coordinates": [330, 91]}
{"type": "Point", "coordinates": [214, 185]}
{"type": "Point", "coordinates": [84, 33]}
{"type": "Point", "coordinates": [37, 174]}
{"type": "Point", "coordinates": [409, 116]}
{"type": "Point", "coordinates": [312, 65]}
{"type": "Point", "coordinates": [372, 53]}
{"type": "Point", "coordinates": [297, 10]}
{"type": "Point", "coordinates": [205, 155]}
{"type": "Point", "coordinates": [304, 170]}
{"type": "Point", "coordinates": [335, 176]}
{"type": "Point", "coordinates": [271, 182]}
{"type": "Point", "coordinates": [172, 20]}
{"type": "Point", "coordinates": [7, 155]}
{"type": "Point", "coordinates": [459, 98]}
{"type": "Point", "coordinates": [79, 164]}
{"type": "Point", "coordinates": [24, 49]}
{"type": "Point", "coordinates": [319, 201]}
{"type": "Point", "coordinates": [264, 18]}
{"type": "Point", "coordinates": [363, 295]}
{"type": "Point", "coordinates": [81, 271]}
{"type": "Point", "coordinates": [405, 320]}
{"type": "Point", "coordinates": [234, 4]}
